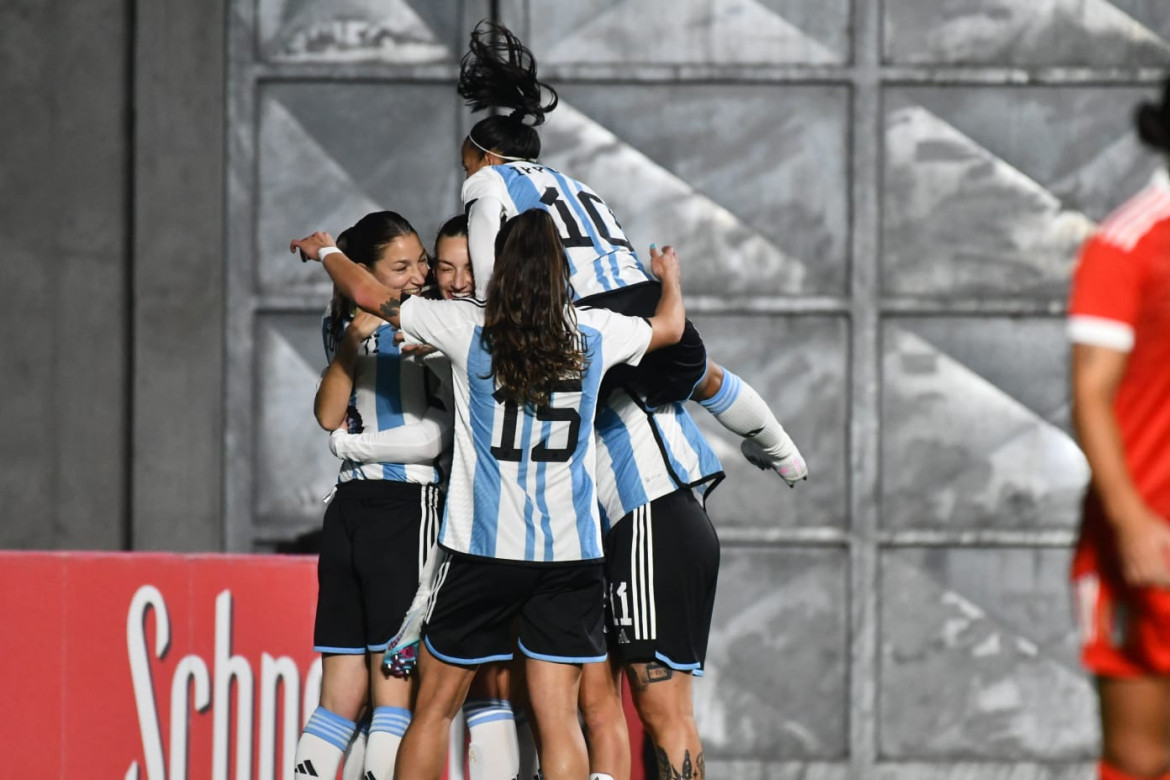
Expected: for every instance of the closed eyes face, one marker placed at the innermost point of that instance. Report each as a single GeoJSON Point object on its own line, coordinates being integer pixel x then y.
{"type": "Point", "coordinates": [453, 268]}
{"type": "Point", "coordinates": [402, 265]}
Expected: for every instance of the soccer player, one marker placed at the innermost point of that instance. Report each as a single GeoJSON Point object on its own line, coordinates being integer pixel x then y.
{"type": "Point", "coordinates": [384, 515]}
{"type": "Point", "coordinates": [504, 179]}
{"type": "Point", "coordinates": [1119, 323]}
{"type": "Point", "coordinates": [522, 523]}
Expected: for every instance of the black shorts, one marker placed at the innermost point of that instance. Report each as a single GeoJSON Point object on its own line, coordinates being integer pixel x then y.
{"type": "Point", "coordinates": [475, 602]}
{"type": "Point", "coordinates": [662, 564]}
{"type": "Point", "coordinates": [666, 375]}
{"type": "Point", "coordinates": [373, 544]}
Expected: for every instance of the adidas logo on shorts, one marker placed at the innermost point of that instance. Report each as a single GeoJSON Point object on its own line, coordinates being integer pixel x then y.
{"type": "Point", "coordinates": [622, 638]}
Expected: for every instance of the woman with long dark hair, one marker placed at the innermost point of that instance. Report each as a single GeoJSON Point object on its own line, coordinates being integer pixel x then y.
{"type": "Point", "coordinates": [504, 178]}
{"type": "Point", "coordinates": [1119, 323]}
{"type": "Point", "coordinates": [383, 517]}
{"type": "Point", "coordinates": [521, 523]}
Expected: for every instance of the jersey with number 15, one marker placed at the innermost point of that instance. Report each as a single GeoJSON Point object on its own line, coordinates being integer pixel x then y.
{"type": "Point", "coordinates": [522, 480]}
{"type": "Point", "coordinates": [600, 256]}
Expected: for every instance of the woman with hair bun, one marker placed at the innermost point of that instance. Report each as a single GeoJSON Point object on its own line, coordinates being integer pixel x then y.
{"type": "Point", "coordinates": [1119, 324]}
{"type": "Point", "coordinates": [504, 179]}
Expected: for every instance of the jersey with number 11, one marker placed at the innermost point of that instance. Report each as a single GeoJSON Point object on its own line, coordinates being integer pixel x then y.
{"type": "Point", "coordinates": [523, 480]}
{"type": "Point", "coordinates": [600, 256]}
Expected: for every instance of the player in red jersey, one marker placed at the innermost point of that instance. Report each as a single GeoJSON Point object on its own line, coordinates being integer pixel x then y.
{"type": "Point", "coordinates": [1119, 323]}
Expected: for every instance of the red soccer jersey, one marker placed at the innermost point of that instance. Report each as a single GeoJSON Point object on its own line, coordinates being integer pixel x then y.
{"type": "Point", "coordinates": [1121, 300]}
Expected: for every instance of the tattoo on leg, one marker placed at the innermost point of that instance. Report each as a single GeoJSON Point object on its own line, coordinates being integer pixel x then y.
{"type": "Point", "coordinates": [651, 673]}
{"type": "Point", "coordinates": [666, 771]}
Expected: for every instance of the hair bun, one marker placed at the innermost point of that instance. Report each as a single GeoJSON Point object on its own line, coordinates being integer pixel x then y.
{"type": "Point", "coordinates": [1152, 126]}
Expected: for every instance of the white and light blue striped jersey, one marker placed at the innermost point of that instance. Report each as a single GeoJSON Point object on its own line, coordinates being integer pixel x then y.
{"type": "Point", "coordinates": [522, 480]}
{"type": "Point", "coordinates": [388, 392]}
{"type": "Point", "coordinates": [600, 256]}
{"type": "Point", "coordinates": [643, 455]}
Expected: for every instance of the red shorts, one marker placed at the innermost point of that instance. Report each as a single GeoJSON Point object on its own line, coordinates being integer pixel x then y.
{"type": "Point", "coordinates": [1125, 632]}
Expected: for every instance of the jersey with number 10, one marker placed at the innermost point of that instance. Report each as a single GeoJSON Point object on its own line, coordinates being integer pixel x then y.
{"type": "Point", "coordinates": [600, 256]}
{"type": "Point", "coordinates": [522, 480]}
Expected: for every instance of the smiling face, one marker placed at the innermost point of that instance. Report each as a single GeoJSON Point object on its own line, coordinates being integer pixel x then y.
{"type": "Point", "coordinates": [453, 268]}
{"type": "Point", "coordinates": [402, 265]}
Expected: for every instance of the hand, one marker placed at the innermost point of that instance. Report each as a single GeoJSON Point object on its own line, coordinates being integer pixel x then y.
{"type": "Point", "coordinates": [664, 264]}
{"type": "Point", "coordinates": [363, 326]}
{"type": "Point", "coordinates": [418, 351]}
{"type": "Point", "coordinates": [309, 246]}
{"type": "Point", "coordinates": [1143, 545]}
{"type": "Point", "coordinates": [790, 465]}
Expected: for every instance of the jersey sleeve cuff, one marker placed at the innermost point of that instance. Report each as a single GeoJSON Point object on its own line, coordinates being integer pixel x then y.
{"type": "Point", "coordinates": [1101, 332]}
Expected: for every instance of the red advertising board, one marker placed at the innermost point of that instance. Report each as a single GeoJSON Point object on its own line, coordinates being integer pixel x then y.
{"type": "Point", "coordinates": [143, 666]}
{"type": "Point", "coordinates": [140, 666]}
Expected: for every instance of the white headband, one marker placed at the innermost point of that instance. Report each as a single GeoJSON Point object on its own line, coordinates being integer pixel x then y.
{"type": "Point", "coordinates": [497, 154]}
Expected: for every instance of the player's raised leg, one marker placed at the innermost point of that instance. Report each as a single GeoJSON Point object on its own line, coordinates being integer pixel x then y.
{"type": "Point", "coordinates": [740, 409]}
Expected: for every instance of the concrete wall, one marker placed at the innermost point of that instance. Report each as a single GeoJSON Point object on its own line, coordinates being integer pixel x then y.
{"type": "Point", "coordinates": [111, 296]}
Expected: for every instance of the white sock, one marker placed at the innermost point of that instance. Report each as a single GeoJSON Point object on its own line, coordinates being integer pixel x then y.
{"type": "Point", "coordinates": [529, 758]}
{"type": "Point", "coordinates": [355, 757]}
{"type": "Point", "coordinates": [322, 744]}
{"type": "Point", "coordinates": [493, 753]}
{"type": "Point", "coordinates": [600, 776]}
{"type": "Point", "coordinates": [741, 410]}
{"type": "Point", "coordinates": [386, 730]}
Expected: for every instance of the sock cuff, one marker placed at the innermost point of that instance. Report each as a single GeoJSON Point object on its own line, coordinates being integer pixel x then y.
{"type": "Point", "coordinates": [474, 705]}
{"type": "Point", "coordinates": [392, 720]}
{"type": "Point", "coordinates": [331, 727]}
{"type": "Point", "coordinates": [728, 392]}
{"type": "Point", "coordinates": [481, 711]}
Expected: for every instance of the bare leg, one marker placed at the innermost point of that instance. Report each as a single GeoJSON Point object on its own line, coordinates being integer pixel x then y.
{"type": "Point", "coordinates": [345, 681]}
{"type": "Point", "coordinates": [442, 689]}
{"type": "Point", "coordinates": [600, 702]}
{"type": "Point", "coordinates": [663, 698]}
{"type": "Point", "coordinates": [552, 690]}
{"type": "Point", "coordinates": [1135, 725]}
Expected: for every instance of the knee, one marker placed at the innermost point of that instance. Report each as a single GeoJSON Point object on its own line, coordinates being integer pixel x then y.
{"type": "Point", "coordinates": [1138, 756]}
{"type": "Point", "coordinates": [602, 715]}
{"type": "Point", "coordinates": [664, 717]}
{"type": "Point", "coordinates": [710, 384]}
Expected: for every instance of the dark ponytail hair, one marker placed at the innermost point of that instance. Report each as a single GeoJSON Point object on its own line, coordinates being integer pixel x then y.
{"type": "Point", "coordinates": [1153, 121]}
{"type": "Point", "coordinates": [530, 325]}
{"type": "Point", "coordinates": [499, 72]}
{"type": "Point", "coordinates": [364, 243]}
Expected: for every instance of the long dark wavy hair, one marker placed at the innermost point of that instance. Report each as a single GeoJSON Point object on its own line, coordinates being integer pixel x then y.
{"type": "Point", "coordinates": [530, 325]}
{"type": "Point", "coordinates": [363, 243]}
{"type": "Point", "coordinates": [499, 73]}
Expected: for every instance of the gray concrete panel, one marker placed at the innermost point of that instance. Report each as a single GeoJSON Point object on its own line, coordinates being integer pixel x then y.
{"type": "Point", "coordinates": [979, 658]}
{"type": "Point", "coordinates": [339, 31]}
{"type": "Point", "coordinates": [64, 77]}
{"type": "Point", "coordinates": [397, 148]}
{"type": "Point", "coordinates": [294, 468]}
{"type": "Point", "coordinates": [975, 425]}
{"type": "Point", "coordinates": [179, 312]}
{"type": "Point", "coordinates": [1036, 32]}
{"type": "Point", "coordinates": [750, 182]}
{"type": "Point", "coordinates": [680, 32]}
{"type": "Point", "coordinates": [798, 365]}
{"type": "Point", "coordinates": [775, 685]}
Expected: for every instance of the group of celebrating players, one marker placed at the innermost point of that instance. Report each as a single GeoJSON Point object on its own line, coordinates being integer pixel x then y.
{"type": "Point", "coordinates": [520, 470]}
{"type": "Point", "coordinates": [515, 436]}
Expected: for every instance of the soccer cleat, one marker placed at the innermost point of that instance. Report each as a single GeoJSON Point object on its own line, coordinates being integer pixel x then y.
{"type": "Point", "coordinates": [791, 467]}
{"type": "Point", "coordinates": [401, 655]}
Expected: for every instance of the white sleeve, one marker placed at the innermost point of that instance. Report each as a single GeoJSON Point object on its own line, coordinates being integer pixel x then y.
{"type": "Point", "coordinates": [419, 442]}
{"type": "Point", "coordinates": [425, 321]}
{"type": "Point", "coordinates": [483, 198]}
{"type": "Point", "coordinates": [624, 339]}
